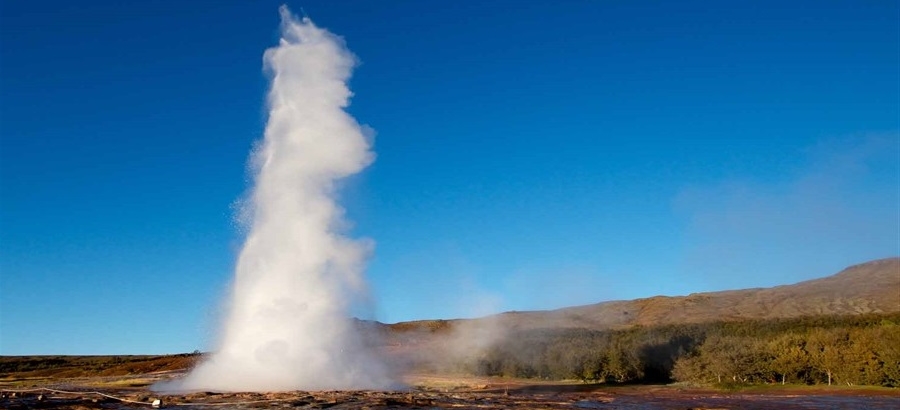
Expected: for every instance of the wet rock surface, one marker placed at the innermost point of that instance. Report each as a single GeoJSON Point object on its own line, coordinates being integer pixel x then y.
{"type": "Point", "coordinates": [490, 397]}
{"type": "Point", "coordinates": [430, 391]}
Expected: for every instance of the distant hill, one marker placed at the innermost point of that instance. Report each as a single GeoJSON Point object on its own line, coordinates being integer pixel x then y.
{"type": "Point", "coordinates": [871, 287]}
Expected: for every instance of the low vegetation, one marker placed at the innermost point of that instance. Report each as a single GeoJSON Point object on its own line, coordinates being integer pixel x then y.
{"type": "Point", "coordinates": [79, 366]}
{"type": "Point", "coordinates": [854, 350]}
{"type": "Point", "coordinates": [851, 350]}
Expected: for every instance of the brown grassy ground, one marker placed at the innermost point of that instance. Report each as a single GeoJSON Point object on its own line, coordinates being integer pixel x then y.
{"type": "Point", "coordinates": [45, 382]}
{"type": "Point", "coordinates": [80, 366]}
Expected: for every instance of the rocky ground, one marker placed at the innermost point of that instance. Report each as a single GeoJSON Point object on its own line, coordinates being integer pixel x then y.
{"type": "Point", "coordinates": [448, 393]}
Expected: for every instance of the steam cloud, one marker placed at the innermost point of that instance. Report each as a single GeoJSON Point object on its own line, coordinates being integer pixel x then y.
{"type": "Point", "coordinates": [288, 325]}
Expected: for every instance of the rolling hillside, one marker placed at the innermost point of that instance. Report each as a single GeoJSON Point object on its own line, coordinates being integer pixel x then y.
{"type": "Point", "coordinates": [871, 287]}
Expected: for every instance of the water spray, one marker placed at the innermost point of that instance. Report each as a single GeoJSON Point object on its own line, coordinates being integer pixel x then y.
{"type": "Point", "coordinates": [288, 325]}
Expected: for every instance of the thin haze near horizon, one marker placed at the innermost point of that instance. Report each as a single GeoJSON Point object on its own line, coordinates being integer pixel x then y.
{"type": "Point", "coordinates": [528, 156]}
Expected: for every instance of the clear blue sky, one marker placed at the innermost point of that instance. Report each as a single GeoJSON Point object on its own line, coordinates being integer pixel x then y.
{"type": "Point", "coordinates": [531, 155]}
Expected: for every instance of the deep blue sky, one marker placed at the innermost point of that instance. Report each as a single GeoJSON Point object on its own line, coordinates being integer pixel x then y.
{"type": "Point", "coordinates": [531, 155]}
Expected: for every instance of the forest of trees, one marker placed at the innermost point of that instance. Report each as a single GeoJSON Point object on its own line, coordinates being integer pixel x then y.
{"type": "Point", "coordinates": [852, 350]}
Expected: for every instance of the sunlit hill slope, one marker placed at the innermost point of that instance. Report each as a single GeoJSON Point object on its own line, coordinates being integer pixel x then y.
{"type": "Point", "coordinates": [871, 287]}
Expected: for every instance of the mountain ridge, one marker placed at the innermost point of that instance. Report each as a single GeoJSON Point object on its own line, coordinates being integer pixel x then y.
{"type": "Point", "coordinates": [868, 287]}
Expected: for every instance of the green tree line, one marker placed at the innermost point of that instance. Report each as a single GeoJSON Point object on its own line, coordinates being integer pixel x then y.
{"type": "Point", "coordinates": [853, 350]}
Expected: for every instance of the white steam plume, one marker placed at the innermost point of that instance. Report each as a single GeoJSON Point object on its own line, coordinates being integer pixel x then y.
{"type": "Point", "coordinates": [287, 326]}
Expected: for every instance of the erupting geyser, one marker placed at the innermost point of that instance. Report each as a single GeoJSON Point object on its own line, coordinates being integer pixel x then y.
{"type": "Point", "coordinates": [288, 325]}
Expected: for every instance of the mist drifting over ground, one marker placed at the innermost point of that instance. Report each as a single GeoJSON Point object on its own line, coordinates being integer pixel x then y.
{"type": "Point", "coordinates": [287, 325]}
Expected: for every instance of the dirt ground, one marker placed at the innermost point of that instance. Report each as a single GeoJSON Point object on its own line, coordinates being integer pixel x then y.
{"type": "Point", "coordinates": [104, 383]}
